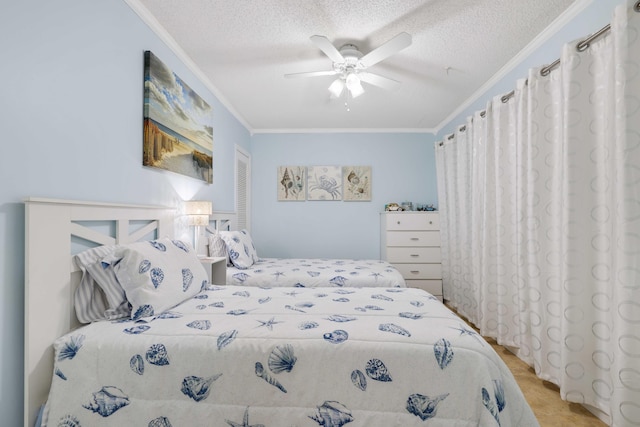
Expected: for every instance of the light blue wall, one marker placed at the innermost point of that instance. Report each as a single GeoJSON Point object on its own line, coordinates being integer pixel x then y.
{"type": "Point", "coordinates": [403, 169]}
{"type": "Point", "coordinates": [71, 125]}
{"type": "Point", "coordinates": [596, 15]}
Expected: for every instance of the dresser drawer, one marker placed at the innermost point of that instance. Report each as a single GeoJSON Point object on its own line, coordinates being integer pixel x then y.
{"type": "Point", "coordinates": [414, 255]}
{"type": "Point", "coordinates": [434, 287]}
{"type": "Point", "coordinates": [411, 221]}
{"type": "Point", "coordinates": [419, 271]}
{"type": "Point", "coordinates": [413, 238]}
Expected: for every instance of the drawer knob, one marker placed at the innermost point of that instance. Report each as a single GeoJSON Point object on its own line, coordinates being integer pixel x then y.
{"type": "Point", "coordinates": [415, 255]}
{"type": "Point", "coordinates": [430, 222]}
{"type": "Point", "coordinates": [415, 238]}
{"type": "Point", "coordinates": [415, 271]}
{"type": "Point", "coordinates": [398, 222]}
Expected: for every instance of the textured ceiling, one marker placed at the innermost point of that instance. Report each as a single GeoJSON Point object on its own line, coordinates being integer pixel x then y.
{"type": "Point", "coordinates": [244, 48]}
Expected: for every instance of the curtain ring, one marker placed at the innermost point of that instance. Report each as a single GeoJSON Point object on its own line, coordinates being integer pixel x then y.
{"type": "Point", "coordinates": [544, 72]}
{"type": "Point", "coordinates": [636, 7]}
{"type": "Point", "coordinates": [582, 46]}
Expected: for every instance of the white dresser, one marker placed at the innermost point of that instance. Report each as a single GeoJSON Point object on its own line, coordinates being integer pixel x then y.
{"type": "Point", "coordinates": [411, 242]}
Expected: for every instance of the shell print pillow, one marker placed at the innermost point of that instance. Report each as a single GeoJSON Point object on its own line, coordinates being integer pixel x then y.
{"type": "Point", "coordinates": [242, 252]}
{"type": "Point", "coordinates": [157, 275]}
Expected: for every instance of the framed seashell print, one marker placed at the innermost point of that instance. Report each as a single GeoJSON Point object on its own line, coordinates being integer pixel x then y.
{"type": "Point", "coordinates": [356, 183]}
{"type": "Point", "coordinates": [178, 124]}
{"type": "Point", "coordinates": [292, 183]}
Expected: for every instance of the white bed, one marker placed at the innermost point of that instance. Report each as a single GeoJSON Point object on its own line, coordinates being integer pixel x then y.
{"type": "Point", "coordinates": [245, 268]}
{"type": "Point", "coordinates": [249, 356]}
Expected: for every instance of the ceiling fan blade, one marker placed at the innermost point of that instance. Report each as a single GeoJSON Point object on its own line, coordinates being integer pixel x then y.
{"type": "Point", "coordinates": [387, 49]}
{"type": "Point", "coordinates": [378, 80]}
{"type": "Point", "coordinates": [329, 49]}
{"type": "Point", "coordinates": [311, 74]}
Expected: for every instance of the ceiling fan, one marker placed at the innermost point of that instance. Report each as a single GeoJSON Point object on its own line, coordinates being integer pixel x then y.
{"type": "Point", "coordinates": [350, 65]}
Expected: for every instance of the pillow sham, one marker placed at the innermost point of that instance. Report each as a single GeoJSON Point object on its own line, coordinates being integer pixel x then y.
{"type": "Point", "coordinates": [240, 247]}
{"type": "Point", "coordinates": [99, 296]}
{"type": "Point", "coordinates": [157, 275]}
{"type": "Point", "coordinates": [217, 247]}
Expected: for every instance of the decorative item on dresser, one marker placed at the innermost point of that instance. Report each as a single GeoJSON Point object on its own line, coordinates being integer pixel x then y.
{"type": "Point", "coordinates": [411, 242]}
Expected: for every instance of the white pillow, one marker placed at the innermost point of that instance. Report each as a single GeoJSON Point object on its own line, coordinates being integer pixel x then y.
{"type": "Point", "coordinates": [99, 295]}
{"type": "Point", "coordinates": [157, 275]}
{"type": "Point", "coordinates": [241, 250]}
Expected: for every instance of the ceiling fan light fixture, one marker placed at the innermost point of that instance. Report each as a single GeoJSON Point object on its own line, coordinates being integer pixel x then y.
{"type": "Point", "coordinates": [354, 85]}
{"type": "Point", "coordinates": [336, 88]}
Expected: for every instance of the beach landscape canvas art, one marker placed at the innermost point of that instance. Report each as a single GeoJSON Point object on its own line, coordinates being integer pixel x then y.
{"type": "Point", "coordinates": [178, 124]}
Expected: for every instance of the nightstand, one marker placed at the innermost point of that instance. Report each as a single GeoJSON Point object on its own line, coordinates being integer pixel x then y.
{"type": "Point", "coordinates": [216, 269]}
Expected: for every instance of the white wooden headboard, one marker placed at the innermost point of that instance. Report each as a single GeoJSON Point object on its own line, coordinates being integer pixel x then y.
{"type": "Point", "coordinates": [51, 276]}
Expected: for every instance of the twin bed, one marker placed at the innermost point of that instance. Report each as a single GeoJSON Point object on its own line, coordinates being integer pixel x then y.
{"type": "Point", "coordinates": [241, 355]}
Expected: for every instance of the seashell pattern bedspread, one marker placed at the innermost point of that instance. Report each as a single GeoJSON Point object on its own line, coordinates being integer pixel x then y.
{"type": "Point", "coordinates": [274, 357]}
{"type": "Point", "coordinates": [321, 272]}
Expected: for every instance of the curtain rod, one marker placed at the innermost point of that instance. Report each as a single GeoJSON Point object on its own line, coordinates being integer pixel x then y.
{"type": "Point", "coordinates": [580, 47]}
{"type": "Point", "coordinates": [544, 71]}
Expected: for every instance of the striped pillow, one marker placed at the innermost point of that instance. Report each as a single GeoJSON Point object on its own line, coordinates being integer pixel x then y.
{"type": "Point", "coordinates": [99, 295]}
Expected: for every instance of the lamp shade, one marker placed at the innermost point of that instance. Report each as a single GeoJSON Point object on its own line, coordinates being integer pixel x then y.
{"type": "Point", "coordinates": [198, 211]}
{"type": "Point", "coordinates": [198, 207]}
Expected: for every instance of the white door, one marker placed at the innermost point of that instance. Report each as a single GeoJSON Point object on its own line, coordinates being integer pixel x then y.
{"type": "Point", "coordinates": [243, 188]}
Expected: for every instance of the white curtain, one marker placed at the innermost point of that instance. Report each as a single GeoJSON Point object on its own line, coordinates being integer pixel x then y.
{"type": "Point", "coordinates": [540, 207]}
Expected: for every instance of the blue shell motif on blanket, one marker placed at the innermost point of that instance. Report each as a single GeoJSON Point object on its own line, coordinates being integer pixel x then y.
{"type": "Point", "coordinates": [169, 315]}
{"type": "Point", "coordinates": [244, 294]}
{"type": "Point", "coordinates": [107, 400]}
{"type": "Point", "coordinates": [262, 373]}
{"type": "Point", "coordinates": [381, 297]}
{"type": "Point", "coordinates": [409, 315]}
{"type": "Point", "coordinates": [69, 421]}
{"type": "Point", "coordinates": [71, 347]}
{"type": "Point", "coordinates": [373, 307]}
{"type": "Point", "coordinates": [233, 254]}
{"type": "Point", "coordinates": [359, 380]}
{"type": "Point", "coordinates": [180, 245]}
{"type": "Point", "coordinates": [338, 281]}
{"type": "Point", "coordinates": [187, 278]}
{"type": "Point", "coordinates": [341, 299]}
{"type": "Point", "coordinates": [138, 329]}
{"type": "Point", "coordinates": [264, 300]}
{"type": "Point", "coordinates": [60, 374]}
{"type": "Point", "coordinates": [417, 303]}
{"type": "Point", "coordinates": [423, 406]}
{"type": "Point", "coordinates": [498, 390]}
{"type": "Point", "coordinates": [137, 364]}
{"type": "Point", "coordinates": [157, 355]}
{"type": "Point", "coordinates": [443, 352]}
{"type": "Point", "coordinates": [377, 370]}
{"type": "Point", "coordinates": [160, 422]}
{"type": "Point", "coordinates": [313, 273]}
{"type": "Point", "coordinates": [145, 265]}
{"type": "Point", "coordinates": [145, 310]}
{"type": "Point", "coordinates": [343, 291]}
{"type": "Point", "coordinates": [157, 276]}
{"type": "Point", "coordinates": [307, 325]}
{"type": "Point", "coordinates": [240, 277]}
{"type": "Point", "coordinates": [490, 405]}
{"type": "Point", "coordinates": [203, 325]}
{"type": "Point", "coordinates": [159, 246]}
{"type": "Point", "coordinates": [226, 338]}
{"type": "Point", "coordinates": [291, 307]}
{"type": "Point", "coordinates": [198, 388]}
{"type": "Point", "coordinates": [336, 337]}
{"type": "Point", "coordinates": [282, 359]}
{"type": "Point", "coordinates": [391, 327]}
{"type": "Point", "coordinates": [201, 296]}
{"type": "Point", "coordinates": [201, 306]}
{"type": "Point", "coordinates": [217, 304]}
{"type": "Point", "coordinates": [332, 414]}
{"type": "Point", "coordinates": [341, 318]}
